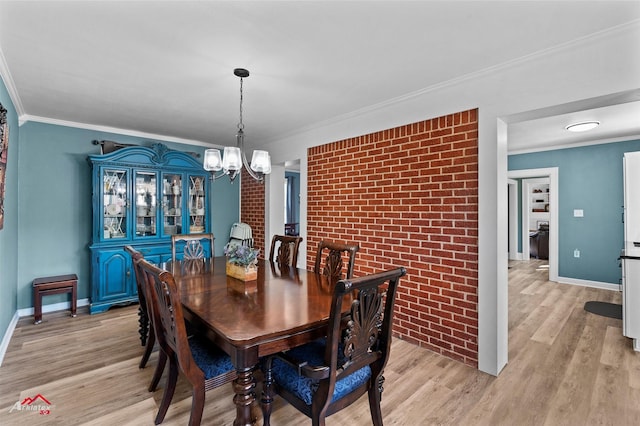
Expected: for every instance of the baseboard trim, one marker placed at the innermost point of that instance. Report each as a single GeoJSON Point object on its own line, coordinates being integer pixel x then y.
{"type": "Point", "coordinates": [587, 283]}
{"type": "Point", "coordinates": [52, 307]}
{"type": "Point", "coordinates": [7, 336]}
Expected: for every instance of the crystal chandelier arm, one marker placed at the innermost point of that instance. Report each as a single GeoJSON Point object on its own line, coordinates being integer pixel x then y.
{"type": "Point", "coordinates": [213, 176]}
{"type": "Point", "coordinates": [257, 176]}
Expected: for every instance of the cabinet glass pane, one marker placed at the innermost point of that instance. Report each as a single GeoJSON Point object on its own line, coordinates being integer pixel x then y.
{"type": "Point", "coordinates": [197, 205]}
{"type": "Point", "coordinates": [146, 203]}
{"type": "Point", "coordinates": [171, 204]}
{"type": "Point", "coordinates": [114, 204]}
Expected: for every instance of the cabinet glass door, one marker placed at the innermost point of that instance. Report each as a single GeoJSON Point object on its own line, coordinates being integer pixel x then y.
{"type": "Point", "coordinates": [146, 190]}
{"type": "Point", "coordinates": [172, 203]}
{"type": "Point", "coordinates": [197, 203]}
{"type": "Point", "coordinates": [114, 204]}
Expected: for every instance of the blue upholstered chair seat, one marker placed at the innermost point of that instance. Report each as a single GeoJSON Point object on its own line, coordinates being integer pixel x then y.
{"type": "Point", "coordinates": [211, 359]}
{"type": "Point", "coordinates": [288, 378]}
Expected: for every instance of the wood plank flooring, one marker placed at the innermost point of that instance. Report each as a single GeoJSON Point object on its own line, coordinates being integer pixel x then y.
{"type": "Point", "coordinates": [566, 367]}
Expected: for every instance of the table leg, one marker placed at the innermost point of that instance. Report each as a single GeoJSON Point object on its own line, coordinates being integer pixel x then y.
{"type": "Point", "coordinates": [244, 386]}
{"type": "Point", "coordinates": [267, 393]}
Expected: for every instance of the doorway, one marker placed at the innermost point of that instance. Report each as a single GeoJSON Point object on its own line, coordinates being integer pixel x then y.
{"type": "Point", "coordinates": [520, 220]}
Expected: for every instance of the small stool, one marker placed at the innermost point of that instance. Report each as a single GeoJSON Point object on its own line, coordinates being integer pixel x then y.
{"type": "Point", "coordinates": [54, 285]}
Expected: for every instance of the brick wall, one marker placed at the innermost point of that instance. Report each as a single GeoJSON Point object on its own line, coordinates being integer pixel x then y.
{"type": "Point", "coordinates": [252, 207]}
{"type": "Point", "coordinates": [409, 197]}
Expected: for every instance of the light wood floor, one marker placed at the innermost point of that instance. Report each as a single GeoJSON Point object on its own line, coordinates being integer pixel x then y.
{"type": "Point", "coordinates": [566, 367]}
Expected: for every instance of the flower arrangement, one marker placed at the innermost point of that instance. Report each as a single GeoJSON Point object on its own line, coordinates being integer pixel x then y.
{"type": "Point", "coordinates": [239, 254]}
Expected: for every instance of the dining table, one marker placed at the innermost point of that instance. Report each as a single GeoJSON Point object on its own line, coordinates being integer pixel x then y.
{"type": "Point", "coordinates": [283, 308]}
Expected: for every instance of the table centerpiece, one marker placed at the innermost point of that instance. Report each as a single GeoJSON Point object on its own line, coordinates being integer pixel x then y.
{"type": "Point", "coordinates": [241, 261]}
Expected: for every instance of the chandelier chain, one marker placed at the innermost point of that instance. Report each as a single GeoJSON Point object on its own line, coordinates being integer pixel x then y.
{"type": "Point", "coordinates": [240, 124]}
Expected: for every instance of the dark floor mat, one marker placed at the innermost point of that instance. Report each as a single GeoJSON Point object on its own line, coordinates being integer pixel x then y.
{"type": "Point", "coordinates": [605, 309]}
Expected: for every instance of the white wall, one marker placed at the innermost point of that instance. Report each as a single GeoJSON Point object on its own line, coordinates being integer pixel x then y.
{"type": "Point", "coordinates": [274, 202]}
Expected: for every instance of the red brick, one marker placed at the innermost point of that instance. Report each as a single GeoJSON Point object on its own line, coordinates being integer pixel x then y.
{"type": "Point", "coordinates": [409, 197]}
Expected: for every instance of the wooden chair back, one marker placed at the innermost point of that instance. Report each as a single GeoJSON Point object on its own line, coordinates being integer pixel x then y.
{"type": "Point", "coordinates": [365, 339]}
{"type": "Point", "coordinates": [168, 318]}
{"type": "Point", "coordinates": [284, 250]}
{"type": "Point", "coordinates": [209, 368]}
{"type": "Point", "coordinates": [334, 262]}
{"type": "Point", "coordinates": [193, 248]}
{"type": "Point", "coordinates": [356, 350]}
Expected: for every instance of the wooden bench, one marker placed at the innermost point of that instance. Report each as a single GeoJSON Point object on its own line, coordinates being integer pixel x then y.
{"type": "Point", "coordinates": [59, 284]}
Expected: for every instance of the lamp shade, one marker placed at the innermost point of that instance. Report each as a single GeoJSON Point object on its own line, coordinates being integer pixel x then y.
{"type": "Point", "coordinates": [212, 160]}
{"type": "Point", "coordinates": [261, 162]}
{"type": "Point", "coordinates": [232, 158]}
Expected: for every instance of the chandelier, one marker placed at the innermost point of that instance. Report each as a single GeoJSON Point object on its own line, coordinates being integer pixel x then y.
{"type": "Point", "coordinates": [234, 157]}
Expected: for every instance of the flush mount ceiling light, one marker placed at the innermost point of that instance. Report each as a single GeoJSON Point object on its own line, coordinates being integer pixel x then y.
{"type": "Point", "coordinates": [234, 156]}
{"type": "Point", "coordinates": [582, 126]}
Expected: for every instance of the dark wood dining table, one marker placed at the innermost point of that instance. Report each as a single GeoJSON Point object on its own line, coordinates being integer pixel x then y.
{"type": "Point", "coordinates": [282, 309]}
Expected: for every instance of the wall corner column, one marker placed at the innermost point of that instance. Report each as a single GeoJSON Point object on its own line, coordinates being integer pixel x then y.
{"type": "Point", "coordinates": [492, 243]}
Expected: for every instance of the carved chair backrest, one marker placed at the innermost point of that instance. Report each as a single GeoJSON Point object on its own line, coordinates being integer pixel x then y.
{"type": "Point", "coordinates": [284, 250]}
{"type": "Point", "coordinates": [334, 262]}
{"type": "Point", "coordinates": [193, 248]}
{"type": "Point", "coordinates": [168, 317]}
{"type": "Point", "coordinates": [364, 338]}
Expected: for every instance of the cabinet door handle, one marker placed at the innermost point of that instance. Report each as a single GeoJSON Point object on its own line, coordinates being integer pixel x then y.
{"type": "Point", "coordinates": [128, 272]}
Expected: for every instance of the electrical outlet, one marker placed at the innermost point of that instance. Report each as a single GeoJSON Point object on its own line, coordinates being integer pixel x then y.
{"type": "Point", "coordinates": [576, 253]}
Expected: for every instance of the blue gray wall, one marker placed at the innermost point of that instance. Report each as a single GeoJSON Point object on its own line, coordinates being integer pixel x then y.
{"type": "Point", "coordinates": [9, 234]}
{"type": "Point", "coordinates": [590, 178]}
{"type": "Point", "coordinates": [54, 206]}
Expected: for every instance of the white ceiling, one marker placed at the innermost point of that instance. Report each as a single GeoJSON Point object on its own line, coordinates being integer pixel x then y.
{"type": "Point", "coordinates": [165, 69]}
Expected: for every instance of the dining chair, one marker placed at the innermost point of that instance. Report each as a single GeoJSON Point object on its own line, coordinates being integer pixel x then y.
{"type": "Point", "coordinates": [203, 364]}
{"type": "Point", "coordinates": [284, 250]}
{"type": "Point", "coordinates": [329, 374]}
{"type": "Point", "coordinates": [334, 263]}
{"type": "Point", "coordinates": [147, 334]}
{"type": "Point", "coordinates": [147, 328]}
{"type": "Point", "coordinates": [193, 248]}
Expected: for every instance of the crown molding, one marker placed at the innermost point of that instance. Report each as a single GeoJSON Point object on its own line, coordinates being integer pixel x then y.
{"type": "Point", "coordinates": [575, 145]}
{"type": "Point", "coordinates": [569, 45]}
{"type": "Point", "coordinates": [27, 118]}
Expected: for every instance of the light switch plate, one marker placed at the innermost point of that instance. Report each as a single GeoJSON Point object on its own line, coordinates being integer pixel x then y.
{"type": "Point", "coordinates": [578, 213]}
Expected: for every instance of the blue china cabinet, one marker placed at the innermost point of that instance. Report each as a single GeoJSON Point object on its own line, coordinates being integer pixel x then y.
{"type": "Point", "coordinates": [141, 196]}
